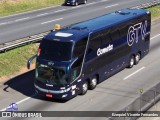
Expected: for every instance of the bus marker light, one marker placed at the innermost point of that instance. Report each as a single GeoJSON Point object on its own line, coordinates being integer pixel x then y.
{"type": "Point", "coordinates": [39, 51]}
{"type": "Point", "coordinates": [57, 27]}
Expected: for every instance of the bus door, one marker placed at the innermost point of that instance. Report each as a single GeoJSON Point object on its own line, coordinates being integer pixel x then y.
{"type": "Point", "coordinates": [77, 65]}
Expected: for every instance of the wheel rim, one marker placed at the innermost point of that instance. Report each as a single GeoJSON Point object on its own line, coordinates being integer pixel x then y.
{"type": "Point", "coordinates": [137, 57]}
{"type": "Point", "coordinates": [132, 61]}
{"type": "Point", "coordinates": [85, 87]}
{"type": "Point", "coordinates": [94, 82]}
{"type": "Point", "coordinates": [85, 2]}
{"type": "Point", "coordinates": [76, 4]}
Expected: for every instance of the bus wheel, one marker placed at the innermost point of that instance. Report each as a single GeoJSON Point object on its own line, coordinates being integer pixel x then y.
{"type": "Point", "coordinates": [85, 1]}
{"type": "Point", "coordinates": [137, 58]}
{"type": "Point", "coordinates": [76, 3]}
{"type": "Point", "coordinates": [131, 62]}
{"type": "Point", "coordinates": [84, 88]}
{"type": "Point", "coordinates": [93, 83]}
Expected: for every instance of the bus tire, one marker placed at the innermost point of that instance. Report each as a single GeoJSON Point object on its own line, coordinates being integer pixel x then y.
{"type": "Point", "coordinates": [85, 1]}
{"type": "Point", "coordinates": [137, 58]}
{"type": "Point", "coordinates": [93, 83]}
{"type": "Point", "coordinates": [131, 62]}
{"type": "Point", "coordinates": [76, 3]}
{"type": "Point", "coordinates": [84, 88]}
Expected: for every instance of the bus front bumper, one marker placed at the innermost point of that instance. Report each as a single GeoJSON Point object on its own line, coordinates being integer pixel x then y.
{"type": "Point", "coordinates": [62, 94]}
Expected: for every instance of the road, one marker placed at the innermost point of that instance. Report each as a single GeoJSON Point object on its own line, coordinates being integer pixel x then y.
{"type": "Point", "coordinates": [23, 25]}
{"type": "Point", "coordinates": [111, 95]}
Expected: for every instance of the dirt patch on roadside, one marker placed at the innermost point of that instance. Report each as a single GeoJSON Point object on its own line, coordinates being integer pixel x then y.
{"type": "Point", "coordinates": [11, 1]}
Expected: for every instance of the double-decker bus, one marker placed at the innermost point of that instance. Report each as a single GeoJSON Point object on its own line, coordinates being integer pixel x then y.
{"type": "Point", "coordinates": [76, 58]}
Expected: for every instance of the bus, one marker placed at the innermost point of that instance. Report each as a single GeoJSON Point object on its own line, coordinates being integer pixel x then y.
{"type": "Point", "coordinates": [76, 58]}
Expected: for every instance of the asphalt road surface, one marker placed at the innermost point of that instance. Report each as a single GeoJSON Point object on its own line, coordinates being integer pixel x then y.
{"type": "Point", "coordinates": [111, 95]}
{"type": "Point", "coordinates": [23, 25]}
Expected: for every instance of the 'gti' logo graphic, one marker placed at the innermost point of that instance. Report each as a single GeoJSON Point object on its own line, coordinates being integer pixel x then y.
{"type": "Point", "coordinates": [133, 32]}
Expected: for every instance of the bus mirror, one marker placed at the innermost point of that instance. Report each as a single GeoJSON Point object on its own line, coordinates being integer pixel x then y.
{"type": "Point", "coordinates": [30, 60]}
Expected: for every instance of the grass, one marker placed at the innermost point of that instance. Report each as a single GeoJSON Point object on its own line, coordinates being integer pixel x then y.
{"type": "Point", "coordinates": [16, 59]}
{"type": "Point", "coordinates": [8, 7]}
{"type": "Point", "coordinates": [155, 11]}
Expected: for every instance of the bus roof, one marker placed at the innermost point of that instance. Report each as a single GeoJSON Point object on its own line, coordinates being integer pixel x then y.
{"type": "Point", "coordinates": [66, 35]}
{"type": "Point", "coordinates": [82, 29]}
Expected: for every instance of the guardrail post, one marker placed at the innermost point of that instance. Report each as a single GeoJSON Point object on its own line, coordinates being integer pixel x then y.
{"type": "Point", "coordinates": [141, 91]}
{"type": "Point", "coordinates": [155, 94]}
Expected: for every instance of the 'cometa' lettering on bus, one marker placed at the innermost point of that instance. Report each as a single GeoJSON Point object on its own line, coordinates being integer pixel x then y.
{"type": "Point", "coordinates": [104, 50]}
{"type": "Point", "coordinates": [133, 32]}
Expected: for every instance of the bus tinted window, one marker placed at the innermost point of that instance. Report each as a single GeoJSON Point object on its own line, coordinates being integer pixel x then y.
{"type": "Point", "coordinates": [95, 41]}
{"type": "Point", "coordinates": [75, 69]}
{"type": "Point", "coordinates": [80, 47]}
{"type": "Point", "coordinates": [106, 38]}
{"type": "Point", "coordinates": [108, 58]}
{"type": "Point", "coordinates": [123, 30]}
{"type": "Point", "coordinates": [115, 34]}
{"type": "Point", "coordinates": [55, 50]}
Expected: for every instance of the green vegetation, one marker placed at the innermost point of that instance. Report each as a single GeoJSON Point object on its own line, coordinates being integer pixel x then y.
{"type": "Point", "coordinates": [14, 60]}
{"type": "Point", "coordinates": [8, 7]}
{"type": "Point", "coordinates": [155, 11]}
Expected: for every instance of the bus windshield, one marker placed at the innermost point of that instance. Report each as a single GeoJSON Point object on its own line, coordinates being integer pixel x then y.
{"type": "Point", "coordinates": [54, 75]}
{"type": "Point", "coordinates": [55, 50]}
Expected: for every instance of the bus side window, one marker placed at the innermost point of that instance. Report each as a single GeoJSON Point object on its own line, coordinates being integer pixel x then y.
{"type": "Point", "coordinates": [115, 34]}
{"type": "Point", "coordinates": [76, 68]}
{"type": "Point", "coordinates": [106, 39]}
{"type": "Point", "coordinates": [123, 30]}
{"type": "Point", "coordinates": [95, 41]}
{"type": "Point", "coordinates": [105, 36]}
{"type": "Point", "coordinates": [89, 51]}
{"type": "Point", "coordinates": [80, 47]}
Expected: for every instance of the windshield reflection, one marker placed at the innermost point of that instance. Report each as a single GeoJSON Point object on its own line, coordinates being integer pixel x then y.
{"type": "Point", "coordinates": [55, 75]}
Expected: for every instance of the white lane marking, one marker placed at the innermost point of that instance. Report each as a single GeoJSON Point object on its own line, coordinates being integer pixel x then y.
{"type": "Point", "coordinates": [30, 11]}
{"type": "Point", "coordinates": [77, 7]}
{"type": "Point", "coordinates": [42, 14]}
{"type": "Point", "coordinates": [133, 73]}
{"type": "Point", "coordinates": [59, 10]}
{"type": "Point", "coordinates": [104, 0]}
{"type": "Point", "coordinates": [111, 5]}
{"type": "Point", "coordinates": [91, 3]}
{"type": "Point", "coordinates": [21, 19]}
{"type": "Point", "coordinates": [155, 36]}
{"type": "Point", "coordinates": [4, 23]}
{"type": "Point", "coordinates": [51, 21]}
{"type": "Point", "coordinates": [25, 99]}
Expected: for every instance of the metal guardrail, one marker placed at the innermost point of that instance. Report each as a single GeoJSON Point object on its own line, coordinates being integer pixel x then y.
{"type": "Point", "coordinates": [142, 103]}
{"type": "Point", "coordinates": [147, 5]}
{"type": "Point", "coordinates": [15, 43]}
